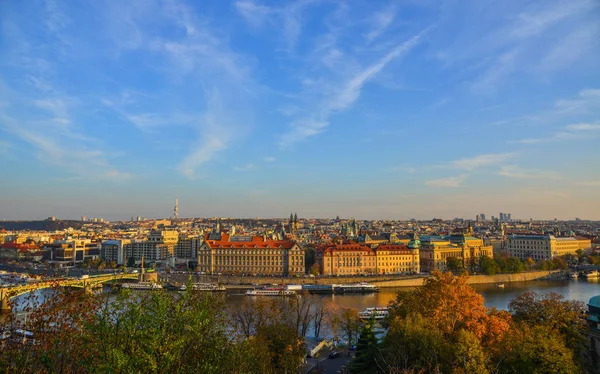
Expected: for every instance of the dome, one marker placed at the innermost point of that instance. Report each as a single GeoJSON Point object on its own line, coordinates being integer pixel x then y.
{"type": "Point", "coordinates": [595, 301]}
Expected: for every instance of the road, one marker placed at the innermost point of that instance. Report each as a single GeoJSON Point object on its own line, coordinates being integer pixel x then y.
{"type": "Point", "coordinates": [326, 364]}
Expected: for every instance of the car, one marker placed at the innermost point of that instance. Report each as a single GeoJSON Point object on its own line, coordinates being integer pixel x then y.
{"type": "Point", "coordinates": [334, 354]}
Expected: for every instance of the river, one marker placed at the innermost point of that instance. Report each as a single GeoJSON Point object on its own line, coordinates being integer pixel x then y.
{"type": "Point", "coordinates": [581, 290]}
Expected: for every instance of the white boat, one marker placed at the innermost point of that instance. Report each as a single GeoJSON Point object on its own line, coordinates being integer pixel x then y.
{"type": "Point", "coordinates": [378, 313]}
{"type": "Point", "coordinates": [270, 292]}
{"type": "Point", "coordinates": [208, 287]}
{"type": "Point", "coordinates": [573, 276]}
{"type": "Point", "coordinates": [142, 286]}
{"type": "Point", "coordinates": [499, 285]}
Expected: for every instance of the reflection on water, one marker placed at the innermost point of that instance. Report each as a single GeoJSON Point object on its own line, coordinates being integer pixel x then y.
{"type": "Point", "coordinates": [581, 290]}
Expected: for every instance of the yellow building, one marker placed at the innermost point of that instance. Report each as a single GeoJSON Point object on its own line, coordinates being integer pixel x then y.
{"type": "Point", "coordinates": [436, 251]}
{"type": "Point", "coordinates": [222, 253]}
{"type": "Point", "coordinates": [167, 238]}
{"type": "Point", "coordinates": [397, 258]}
{"type": "Point", "coordinates": [346, 259]}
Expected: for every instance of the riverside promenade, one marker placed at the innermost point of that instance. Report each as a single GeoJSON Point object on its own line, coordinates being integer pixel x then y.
{"type": "Point", "coordinates": [382, 281]}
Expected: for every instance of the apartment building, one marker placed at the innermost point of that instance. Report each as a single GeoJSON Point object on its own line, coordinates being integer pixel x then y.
{"type": "Point", "coordinates": [543, 247]}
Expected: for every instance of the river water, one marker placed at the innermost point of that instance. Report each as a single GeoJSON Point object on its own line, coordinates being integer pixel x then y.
{"type": "Point", "coordinates": [581, 290]}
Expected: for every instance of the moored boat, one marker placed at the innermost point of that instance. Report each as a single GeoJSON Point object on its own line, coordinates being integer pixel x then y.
{"type": "Point", "coordinates": [355, 288]}
{"type": "Point", "coordinates": [499, 285]}
{"type": "Point", "coordinates": [377, 313]}
{"type": "Point", "coordinates": [573, 276]}
{"type": "Point", "coordinates": [270, 292]}
{"type": "Point", "coordinates": [142, 286]}
{"type": "Point", "coordinates": [174, 287]}
{"type": "Point", "coordinates": [208, 287]}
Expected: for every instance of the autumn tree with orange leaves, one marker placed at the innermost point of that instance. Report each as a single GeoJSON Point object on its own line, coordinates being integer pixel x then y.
{"type": "Point", "coordinates": [444, 327]}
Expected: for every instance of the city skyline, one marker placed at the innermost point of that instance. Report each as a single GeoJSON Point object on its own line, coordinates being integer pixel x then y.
{"type": "Point", "coordinates": [386, 110]}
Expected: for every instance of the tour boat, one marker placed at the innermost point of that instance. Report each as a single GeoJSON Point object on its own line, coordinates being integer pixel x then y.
{"type": "Point", "coordinates": [142, 286]}
{"type": "Point", "coordinates": [378, 313]}
{"type": "Point", "coordinates": [172, 287]}
{"type": "Point", "coordinates": [208, 287]}
{"type": "Point", "coordinates": [270, 292]}
{"type": "Point", "coordinates": [355, 288]}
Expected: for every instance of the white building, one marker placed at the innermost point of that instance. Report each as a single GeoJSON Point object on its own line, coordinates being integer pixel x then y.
{"type": "Point", "coordinates": [540, 247]}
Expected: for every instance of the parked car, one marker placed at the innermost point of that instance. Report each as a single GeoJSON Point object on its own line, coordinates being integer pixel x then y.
{"type": "Point", "coordinates": [334, 354]}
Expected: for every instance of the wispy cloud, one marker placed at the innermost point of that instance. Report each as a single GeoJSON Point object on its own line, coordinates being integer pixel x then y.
{"type": "Point", "coordinates": [255, 14]}
{"type": "Point", "coordinates": [515, 172]}
{"type": "Point", "coordinates": [479, 161]}
{"type": "Point", "coordinates": [246, 167]}
{"type": "Point", "coordinates": [570, 132]}
{"type": "Point", "coordinates": [381, 21]}
{"type": "Point", "coordinates": [587, 101]}
{"type": "Point", "coordinates": [450, 182]}
{"type": "Point", "coordinates": [270, 159]}
{"type": "Point", "coordinates": [344, 97]}
{"type": "Point", "coordinates": [4, 146]}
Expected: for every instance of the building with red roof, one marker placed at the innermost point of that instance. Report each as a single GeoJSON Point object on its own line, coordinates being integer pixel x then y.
{"type": "Point", "coordinates": [230, 254]}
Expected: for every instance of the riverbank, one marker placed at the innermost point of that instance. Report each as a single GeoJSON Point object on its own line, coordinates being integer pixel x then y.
{"type": "Point", "coordinates": [233, 282]}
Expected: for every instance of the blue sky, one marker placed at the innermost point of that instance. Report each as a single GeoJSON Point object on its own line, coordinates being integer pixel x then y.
{"type": "Point", "coordinates": [372, 109]}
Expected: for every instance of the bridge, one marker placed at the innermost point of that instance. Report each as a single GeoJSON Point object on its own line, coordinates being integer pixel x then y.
{"type": "Point", "coordinates": [87, 283]}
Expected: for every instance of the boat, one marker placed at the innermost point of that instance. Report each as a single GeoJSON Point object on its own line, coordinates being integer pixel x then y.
{"type": "Point", "coordinates": [142, 286]}
{"type": "Point", "coordinates": [591, 274]}
{"type": "Point", "coordinates": [318, 288]}
{"type": "Point", "coordinates": [377, 313]}
{"type": "Point", "coordinates": [355, 288]}
{"type": "Point", "coordinates": [270, 292]}
{"type": "Point", "coordinates": [573, 276]}
{"type": "Point", "coordinates": [173, 287]}
{"type": "Point", "coordinates": [499, 285]}
{"type": "Point", "coordinates": [208, 287]}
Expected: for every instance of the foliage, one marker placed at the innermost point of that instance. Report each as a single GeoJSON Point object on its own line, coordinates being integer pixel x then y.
{"type": "Point", "coordinates": [367, 351]}
{"type": "Point", "coordinates": [315, 269]}
{"type": "Point", "coordinates": [455, 265]}
{"type": "Point", "coordinates": [150, 332]}
{"type": "Point", "coordinates": [488, 265]}
{"type": "Point", "coordinates": [443, 326]}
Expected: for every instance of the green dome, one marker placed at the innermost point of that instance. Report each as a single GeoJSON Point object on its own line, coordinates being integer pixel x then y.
{"type": "Point", "coordinates": [595, 301]}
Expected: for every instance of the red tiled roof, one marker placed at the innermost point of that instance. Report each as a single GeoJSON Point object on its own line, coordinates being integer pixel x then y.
{"type": "Point", "coordinates": [347, 248]}
{"type": "Point", "coordinates": [393, 247]}
{"type": "Point", "coordinates": [256, 242]}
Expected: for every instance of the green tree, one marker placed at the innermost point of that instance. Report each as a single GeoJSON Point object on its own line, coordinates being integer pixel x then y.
{"type": "Point", "coordinates": [455, 265]}
{"type": "Point", "coordinates": [315, 269]}
{"type": "Point", "coordinates": [130, 262]}
{"type": "Point", "coordinates": [488, 265]}
{"type": "Point", "coordinates": [514, 265]}
{"type": "Point", "coordinates": [367, 351]}
{"type": "Point", "coordinates": [538, 349]}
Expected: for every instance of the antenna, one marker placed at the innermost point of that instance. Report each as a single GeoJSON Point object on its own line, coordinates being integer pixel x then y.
{"type": "Point", "coordinates": [176, 209]}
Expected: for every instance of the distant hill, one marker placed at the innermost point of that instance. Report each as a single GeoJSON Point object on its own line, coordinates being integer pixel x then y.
{"type": "Point", "coordinates": [46, 225]}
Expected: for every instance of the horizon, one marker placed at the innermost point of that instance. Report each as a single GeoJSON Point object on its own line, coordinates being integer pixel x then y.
{"type": "Point", "coordinates": [386, 110]}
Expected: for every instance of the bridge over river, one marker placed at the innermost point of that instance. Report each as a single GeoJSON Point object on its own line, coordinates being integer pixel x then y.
{"type": "Point", "coordinates": [87, 283]}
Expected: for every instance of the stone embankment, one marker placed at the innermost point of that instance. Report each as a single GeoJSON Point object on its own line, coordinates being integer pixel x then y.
{"type": "Point", "coordinates": [380, 281]}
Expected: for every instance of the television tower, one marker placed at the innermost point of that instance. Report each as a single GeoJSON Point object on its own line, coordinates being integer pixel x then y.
{"type": "Point", "coordinates": [176, 209]}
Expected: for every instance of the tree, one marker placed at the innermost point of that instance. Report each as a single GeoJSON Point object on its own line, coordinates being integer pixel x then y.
{"type": "Point", "coordinates": [488, 265]}
{"type": "Point", "coordinates": [315, 269]}
{"type": "Point", "coordinates": [514, 265]}
{"type": "Point", "coordinates": [455, 265]}
{"type": "Point", "coordinates": [367, 351]}
{"type": "Point", "coordinates": [529, 262]}
{"type": "Point", "coordinates": [537, 349]}
{"type": "Point", "coordinates": [130, 262]}
{"type": "Point", "coordinates": [350, 324]}
{"type": "Point", "coordinates": [558, 314]}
